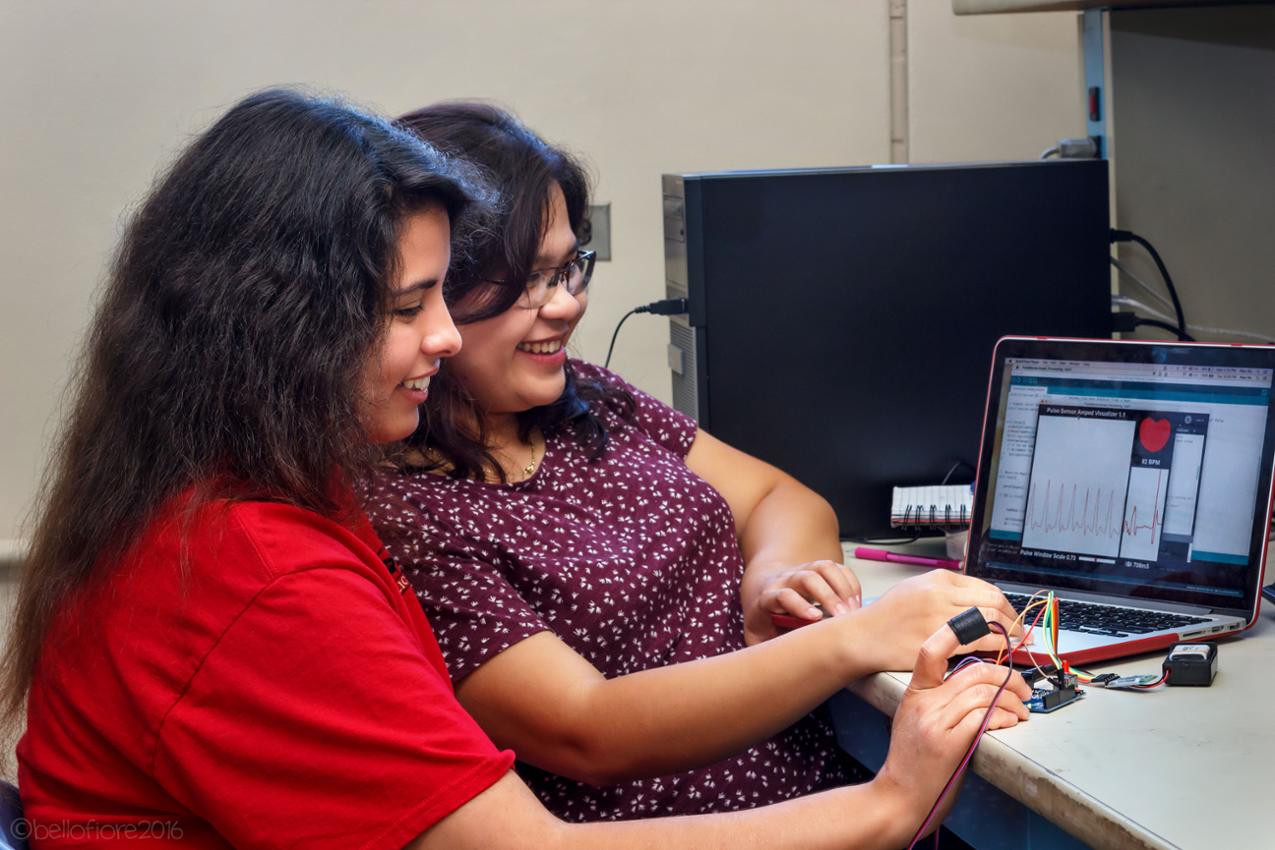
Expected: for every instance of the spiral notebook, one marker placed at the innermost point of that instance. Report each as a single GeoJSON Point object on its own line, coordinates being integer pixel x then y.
{"type": "Point", "coordinates": [939, 506]}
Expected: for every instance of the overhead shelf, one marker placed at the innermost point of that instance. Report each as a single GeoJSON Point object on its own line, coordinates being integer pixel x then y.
{"type": "Point", "coordinates": [987, 7]}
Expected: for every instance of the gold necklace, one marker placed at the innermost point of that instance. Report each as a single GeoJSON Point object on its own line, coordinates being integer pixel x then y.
{"type": "Point", "coordinates": [530, 468]}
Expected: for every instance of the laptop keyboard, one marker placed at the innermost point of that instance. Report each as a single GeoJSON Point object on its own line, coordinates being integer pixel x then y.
{"type": "Point", "coordinates": [1109, 620]}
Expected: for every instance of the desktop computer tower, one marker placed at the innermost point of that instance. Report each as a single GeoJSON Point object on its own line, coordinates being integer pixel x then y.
{"type": "Point", "coordinates": [841, 321]}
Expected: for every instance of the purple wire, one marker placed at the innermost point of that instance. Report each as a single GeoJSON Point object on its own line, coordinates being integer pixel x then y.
{"type": "Point", "coordinates": [969, 754]}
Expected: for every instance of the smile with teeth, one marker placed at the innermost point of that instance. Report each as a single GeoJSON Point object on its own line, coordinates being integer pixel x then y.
{"type": "Point", "coordinates": [417, 383]}
{"type": "Point", "coordinates": [550, 347]}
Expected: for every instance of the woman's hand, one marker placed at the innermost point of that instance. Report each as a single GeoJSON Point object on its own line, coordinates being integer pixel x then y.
{"type": "Point", "coordinates": [937, 720]}
{"type": "Point", "coordinates": [793, 591]}
{"type": "Point", "coordinates": [897, 623]}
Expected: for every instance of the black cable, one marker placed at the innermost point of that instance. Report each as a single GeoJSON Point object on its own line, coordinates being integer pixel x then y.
{"type": "Point", "coordinates": [611, 347]}
{"type": "Point", "coordinates": [665, 307]}
{"type": "Point", "coordinates": [1156, 323]}
{"type": "Point", "coordinates": [884, 541]}
{"type": "Point", "coordinates": [1126, 321]}
{"type": "Point", "coordinates": [978, 736]}
{"type": "Point", "coordinates": [1130, 236]}
{"type": "Point", "coordinates": [951, 471]}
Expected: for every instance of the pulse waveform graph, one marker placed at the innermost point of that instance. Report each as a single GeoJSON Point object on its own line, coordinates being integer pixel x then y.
{"type": "Point", "coordinates": [1144, 512]}
{"type": "Point", "coordinates": [1098, 520]}
{"type": "Point", "coordinates": [1079, 480]}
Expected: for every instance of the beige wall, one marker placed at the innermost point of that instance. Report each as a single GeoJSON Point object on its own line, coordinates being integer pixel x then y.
{"type": "Point", "coordinates": [991, 86]}
{"type": "Point", "coordinates": [97, 94]}
{"type": "Point", "coordinates": [1193, 125]}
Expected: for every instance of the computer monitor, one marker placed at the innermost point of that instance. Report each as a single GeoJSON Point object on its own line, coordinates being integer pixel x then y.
{"type": "Point", "coordinates": [842, 320]}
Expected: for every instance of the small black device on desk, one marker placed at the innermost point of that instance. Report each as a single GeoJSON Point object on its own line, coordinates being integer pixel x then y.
{"type": "Point", "coordinates": [1191, 664]}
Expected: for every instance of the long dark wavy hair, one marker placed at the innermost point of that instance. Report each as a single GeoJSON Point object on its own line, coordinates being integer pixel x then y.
{"type": "Point", "coordinates": [522, 168]}
{"type": "Point", "coordinates": [226, 357]}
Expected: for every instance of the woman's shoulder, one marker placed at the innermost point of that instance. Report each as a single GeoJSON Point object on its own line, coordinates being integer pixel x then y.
{"type": "Point", "coordinates": [414, 496]}
{"type": "Point", "coordinates": [607, 394]}
{"type": "Point", "coordinates": [246, 542]}
{"type": "Point", "coordinates": [416, 512]}
{"type": "Point", "coordinates": [290, 538]}
{"type": "Point", "coordinates": [601, 377]}
{"type": "Point", "coordinates": [198, 568]}
{"type": "Point", "coordinates": [669, 427]}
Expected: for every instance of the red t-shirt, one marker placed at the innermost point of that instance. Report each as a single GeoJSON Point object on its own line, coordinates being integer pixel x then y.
{"type": "Point", "coordinates": [284, 690]}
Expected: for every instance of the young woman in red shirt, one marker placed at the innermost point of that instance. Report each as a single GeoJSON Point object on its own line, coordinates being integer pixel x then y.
{"type": "Point", "coordinates": [209, 645]}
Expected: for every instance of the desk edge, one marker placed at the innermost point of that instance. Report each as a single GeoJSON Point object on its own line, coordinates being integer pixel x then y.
{"type": "Point", "coordinates": [1028, 782]}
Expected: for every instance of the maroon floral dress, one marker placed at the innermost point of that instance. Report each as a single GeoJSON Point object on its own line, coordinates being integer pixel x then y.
{"type": "Point", "coordinates": [631, 560]}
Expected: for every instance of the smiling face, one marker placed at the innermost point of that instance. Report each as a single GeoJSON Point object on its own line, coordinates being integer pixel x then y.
{"type": "Point", "coordinates": [514, 361]}
{"type": "Point", "coordinates": [420, 332]}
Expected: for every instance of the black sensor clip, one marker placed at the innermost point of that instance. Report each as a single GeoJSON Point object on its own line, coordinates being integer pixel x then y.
{"type": "Point", "coordinates": [969, 626]}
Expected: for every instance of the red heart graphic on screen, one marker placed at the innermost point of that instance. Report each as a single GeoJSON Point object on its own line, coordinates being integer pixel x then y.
{"type": "Point", "coordinates": [1153, 434]}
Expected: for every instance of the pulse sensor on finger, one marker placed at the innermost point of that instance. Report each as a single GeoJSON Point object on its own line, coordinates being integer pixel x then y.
{"type": "Point", "coordinates": [969, 626]}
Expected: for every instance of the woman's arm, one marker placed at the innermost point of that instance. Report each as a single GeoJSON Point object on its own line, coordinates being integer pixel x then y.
{"type": "Point", "coordinates": [784, 527]}
{"type": "Point", "coordinates": [557, 712]}
{"type": "Point", "coordinates": [508, 816]}
{"type": "Point", "coordinates": [787, 532]}
{"type": "Point", "coordinates": [933, 726]}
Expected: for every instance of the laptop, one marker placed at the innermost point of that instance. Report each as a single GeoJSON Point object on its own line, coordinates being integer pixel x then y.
{"type": "Point", "coordinates": [1133, 479]}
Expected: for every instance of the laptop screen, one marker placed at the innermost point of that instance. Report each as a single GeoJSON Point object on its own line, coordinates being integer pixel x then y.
{"type": "Point", "coordinates": [1126, 468]}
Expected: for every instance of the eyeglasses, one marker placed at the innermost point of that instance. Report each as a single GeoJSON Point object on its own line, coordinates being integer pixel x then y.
{"type": "Point", "coordinates": [573, 276]}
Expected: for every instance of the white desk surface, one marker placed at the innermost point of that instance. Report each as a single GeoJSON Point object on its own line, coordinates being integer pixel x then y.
{"type": "Point", "coordinates": [1168, 768]}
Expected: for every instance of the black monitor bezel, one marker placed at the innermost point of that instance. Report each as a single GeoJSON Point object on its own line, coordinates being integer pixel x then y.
{"type": "Point", "coordinates": [1128, 351]}
{"type": "Point", "coordinates": [841, 320]}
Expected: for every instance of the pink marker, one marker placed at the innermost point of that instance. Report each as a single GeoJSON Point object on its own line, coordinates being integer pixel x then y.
{"type": "Point", "coordinates": [870, 554]}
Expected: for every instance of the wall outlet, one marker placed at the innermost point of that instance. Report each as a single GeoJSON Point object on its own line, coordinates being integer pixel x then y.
{"type": "Point", "coordinates": [600, 219]}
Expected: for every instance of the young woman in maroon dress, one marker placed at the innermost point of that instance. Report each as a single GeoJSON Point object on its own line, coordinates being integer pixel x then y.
{"type": "Point", "coordinates": [600, 572]}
